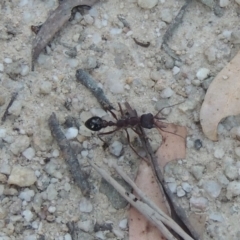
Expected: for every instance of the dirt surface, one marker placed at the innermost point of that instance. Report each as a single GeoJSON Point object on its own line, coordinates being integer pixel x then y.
{"type": "Point", "coordinates": [145, 76]}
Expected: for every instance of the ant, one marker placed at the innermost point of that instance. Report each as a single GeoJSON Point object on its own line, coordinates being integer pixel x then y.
{"type": "Point", "coordinates": [128, 120]}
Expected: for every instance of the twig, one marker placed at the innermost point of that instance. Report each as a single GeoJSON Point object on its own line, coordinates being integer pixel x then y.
{"type": "Point", "coordinates": [143, 208]}
{"type": "Point", "coordinates": [54, 23]}
{"type": "Point", "coordinates": [164, 217]}
{"type": "Point", "coordinates": [174, 24]}
{"type": "Point", "coordinates": [84, 78]}
{"type": "Point", "coordinates": [78, 174]}
{"type": "Point", "coordinates": [13, 98]}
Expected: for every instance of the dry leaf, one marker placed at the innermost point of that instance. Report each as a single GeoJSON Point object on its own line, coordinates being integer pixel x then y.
{"type": "Point", "coordinates": [173, 146]}
{"type": "Point", "coordinates": [222, 98]}
{"type": "Point", "coordinates": [139, 227]}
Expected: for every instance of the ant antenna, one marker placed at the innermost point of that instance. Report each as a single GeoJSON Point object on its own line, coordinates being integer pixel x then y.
{"type": "Point", "coordinates": [164, 108]}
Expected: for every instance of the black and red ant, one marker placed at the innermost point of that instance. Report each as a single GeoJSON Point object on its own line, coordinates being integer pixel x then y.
{"type": "Point", "coordinates": [128, 120]}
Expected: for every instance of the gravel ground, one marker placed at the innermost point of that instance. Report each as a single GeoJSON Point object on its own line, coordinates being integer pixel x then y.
{"type": "Point", "coordinates": [37, 193]}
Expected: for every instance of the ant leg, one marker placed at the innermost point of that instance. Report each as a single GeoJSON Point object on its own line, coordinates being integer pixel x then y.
{"type": "Point", "coordinates": [164, 108]}
{"type": "Point", "coordinates": [113, 114]}
{"type": "Point", "coordinates": [120, 108]}
{"type": "Point", "coordinates": [128, 138]}
{"type": "Point", "coordinates": [105, 145]}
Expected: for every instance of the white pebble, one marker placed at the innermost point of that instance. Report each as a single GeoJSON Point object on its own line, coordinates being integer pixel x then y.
{"type": "Point", "coordinates": [99, 112]}
{"type": "Point", "coordinates": [88, 19]}
{"type": "Point", "coordinates": [96, 38]}
{"type": "Point", "coordinates": [2, 132]}
{"type": "Point", "coordinates": [219, 153]}
{"type": "Point", "coordinates": [16, 108]}
{"type": "Point", "coordinates": [123, 224]}
{"type": "Point", "coordinates": [28, 215]}
{"type": "Point", "coordinates": [51, 192]}
{"type": "Point", "coordinates": [116, 148]}
{"type": "Point", "coordinates": [67, 187]}
{"type": "Point", "coordinates": [25, 70]}
{"type": "Point", "coordinates": [67, 237]}
{"type": "Point", "coordinates": [180, 192]}
{"type": "Point", "coordinates": [1, 67]}
{"type": "Point", "coordinates": [166, 15]}
{"type": "Point", "coordinates": [55, 153]}
{"type": "Point", "coordinates": [29, 153]}
{"type": "Point", "coordinates": [202, 73]}
{"type": "Point", "coordinates": [26, 195]}
{"type": "Point", "coordinates": [45, 87]}
{"type": "Point", "coordinates": [175, 70]}
{"type": "Point", "coordinates": [73, 63]}
{"type": "Point", "coordinates": [233, 189]}
{"type": "Point", "coordinates": [85, 225]}
{"type": "Point", "coordinates": [85, 205]}
{"type": "Point", "coordinates": [71, 133]}
{"type": "Point", "coordinates": [115, 31]}
{"type": "Point", "coordinates": [166, 93]}
{"type": "Point", "coordinates": [52, 209]}
{"type": "Point", "coordinates": [84, 153]}
{"type": "Point", "coordinates": [100, 235]}
{"type": "Point", "coordinates": [224, 3]}
{"type": "Point", "coordinates": [172, 187]}
{"type": "Point", "coordinates": [147, 4]}
{"type": "Point", "coordinates": [8, 60]}
{"type": "Point", "coordinates": [213, 188]}
{"type": "Point", "coordinates": [200, 203]}
{"type": "Point", "coordinates": [20, 144]}
{"type": "Point", "coordinates": [186, 187]}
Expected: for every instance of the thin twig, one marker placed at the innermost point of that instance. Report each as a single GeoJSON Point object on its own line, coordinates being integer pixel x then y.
{"type": "Point", "coordinates": [173, 25]}
{"type": "Point", "coordinates": [78, 174]}
{"type": "Point", "coordinates": [13, 98]}
{"type": "Point", "coordinates": [85, 78]}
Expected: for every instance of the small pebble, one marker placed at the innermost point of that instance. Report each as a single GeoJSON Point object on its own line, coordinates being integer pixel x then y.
{"type": "Point", "coordinates": [210, 54]}
{"type": "Point", "coordinates": [25, 70]}
{"type": "Point", "coordinates": [147, 4]}
{"type": "Point", "coordinates": [197, 171]}
{"type": "Point", "coordinates": [67, 237]}
{"type": "Point", "coordinates": [20, 144]}
{"type": "Point", "coordinates": [28, 215]}
{"type": "Point", "coordinates": [167, 93]}
{"type": "Point", "coordinates": [123, 224]}
{"type": "Point", "coordinates": [172, 186]}
{"type": "Point", "coordinates": [224, 3]}
{"type": "Point", "coordinates": [200, 203]}
{"type": "Point", "coordinates": [51, 192]}
{"type": "Point", "coordinates": [52, 209]}
{"type": "Point", "coordinates": [3, 132]}
{"type": "Point", "coordinates": [186, 187]}
{"type": "Point", "coordinates": [223, 180]}
{"type": "Point", "coordinates": [45, 87]}
{"type": "Point", "coordinates": [8, 60]}
{"type": "Point", "coordinates": [99, 112]}
{"type": "Point", "coordinates": [16, 108]}
{"type": "Point", "coordinates": [1, 67]}
{"type": "Point", "coordinates": [197, 144]}
{"type": "Point", "coordinates": [202, 73]}
{"type": "Point", "coordinates": [235, 37]}
{"type": "Point", "coordinates": [73, 63]}
{"type": "Point", "coordinates": [175, 70]}
{"type": "Point", "coordinates": [55, 153]}
{"type": "Point", "coordinates": [26, 195]}
{"type": "Point", "coordinates": [71, 133]}
{"type": "Point", "coordinates": [180, 192]}
{"type": "Point", "coordinates": [237, 151]}
{"type": "Point", "coordinates": [100, 235]}
{"type": "Point", "coordinates": [231, 172]}
{"type": "Point", "coordinates": [166, 15]}
{"type": "Point", "coordinates": [22, 176]}
{"type": "Point", "coordinates": [233, 189]}
{"type": "Point", "coordinates": [86, 226]}
{"type": "Point", "coordinates": [29, 153]}
{"type": "Point", "coordinates": [213, 188]}
{"type": "Point", "coordinates": [84, 153]}
{"type": "Point", "coordinates": [116, 148]}
{"type": "Point", "coordinates": [85, 205]}
{"type": "Point", "coordinates": [219, 153]}
{"type": "Point", "coordinates": [88, 19]}
{"type": "Point", "coordinates": [216, 216]}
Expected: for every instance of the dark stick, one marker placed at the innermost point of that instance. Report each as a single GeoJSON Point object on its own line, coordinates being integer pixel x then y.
{"type": "Point", "coordinates": [13, 98]}
{"type": "Point", "coordinates": [84, 78]}
{"type": "Point", "coordinates": [174, 24]}
{"type": "Point", "coordinates": [78, 174]}
{"type": "Point", "coordinates": [54, 23]}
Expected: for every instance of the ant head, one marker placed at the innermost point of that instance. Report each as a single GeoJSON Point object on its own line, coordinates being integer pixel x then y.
{"type": "Point", "coordinates": [94, 123]}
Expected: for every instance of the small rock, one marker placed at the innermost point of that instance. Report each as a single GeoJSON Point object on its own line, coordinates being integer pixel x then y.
{"type": "Point", "coordinates": [235, 133]}
{"type": "Point", "coordinates": [224, 3]}
{"type": "Point", "coordinates": [197, 171]}
{"type": "Point", "coordinates": [235, 37]}
{"type": "Point", "coordinates": [5, 168]}
{"type": "Point", "coordinates": [118, 233]}
{"type": "Point", "coordinates": [116, 148]}
{"type": "Point", "coordinates": [55, 153]}
{"type": "Point", "coordinates": [231, 172]}
{"type": "Point", "coordinates": [213, 188]}
{"type": "Point", "coordinates": [237, 151]}
{"type": "Point", "coordinates": [202, 73]}
{"type": "Point", "coordinates": [233, 189]}
{"type": "Point", "coordinates": [166, 15]}
{"type": "Point", "coordinates": [67, 237]}
{"type": "Point", "coordinates": [25, 70]}
{"type": "Point", "coordinates": [85, 205]}
{"type": "Point", "coordinates": [3, 132]}
{"type": "Point", "coordinates": [3, 212]}
{"type": "Point", "coordinates": [216, 216]}
{"type": "Point", "coordinates": [20, 144]}
{"type": "Point", "coordinates": [186, 187]}
{"type": "Point", "coordinates": [52, 209]}
{"type": "Point", "coordinates": [1, 67]}
{"type": "Point", "coordinates": [29, 153]}
{"type": "Point", "coordinates": [223, 180]}
{"type": "Point", "coordinates": [26, 195]}
{"type": "Point", "coordinates": [73, 63]}
{"type": "Point", "coordinates": [71, 133]}
{"type": "Point", "coordinates": [175, 70]}
{"type": "Point", "coordinates": [155, 75]}
{"type": "Point", "coordinates": [45, 87]}
{"type": "Point", "coordinates": [16, 108]}
{"type": "Point", "coordinates": [84, 153]}
{"type": "Point", "coordinates": [123, 224]}
{"type": "Point", "coordinates": [86, 226]}
{"type": "Point", "coordinates": [200, 203]}
{"type": "Point", "coordinates": [85, 131]}
{"type": "Point", "coordinates": [147, 4]}
{"type": "Point", "coordinates": [167, 93]}
{"type": "Point", "coordinates": [22, 176]}
{"type": "Point", "coordinates": [51, 192]}
{"type": "Point", "coordinates": [88, 19]}
{"type": "Point", "coordinates": [219, 153]}
{"type": "Point", "coordinates": [210, 54]}
{"type": "Point", "coordinates": [28, 215]}
{"type": "Point", "coordinates": [99, 112]}
{"type": "Point", "coordinates": [180, 192]}
{"type": "Point", "coordinates": [172, 187]}
{"type": "Point", "coordinates": [100, 235]}
{"type": "Point", "coordinates": [90, 62]}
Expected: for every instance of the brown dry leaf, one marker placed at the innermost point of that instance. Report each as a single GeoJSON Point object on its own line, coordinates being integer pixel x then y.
{"type": "Point", "coordinates": [222, 98]}
{"type": "Point", "coordinates": [139, 227]}
{"type": "Point", "coordinates": [173, 146]}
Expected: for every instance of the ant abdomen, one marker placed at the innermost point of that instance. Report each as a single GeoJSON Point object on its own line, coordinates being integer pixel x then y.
{"type": "Point", "coordinates": [147, 121]}
{"type": "Point", "coordinates": [94, 123]}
